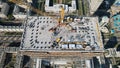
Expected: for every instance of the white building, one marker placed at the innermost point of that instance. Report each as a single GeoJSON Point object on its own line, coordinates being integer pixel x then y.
{"type": "Point", "coordinates": [4, 8]}
{"type": "Point", "coordinates": [115, 8]}
{"type": "Point", "coordinates": [104, 29]}
{"type": "Point", "coordinates": [103, 23]}
{"type": "Point", "coordinates": [24, 5]}
{"type": "Point", "coordinates": [63, 63]}
{"type": "Point", "coordinates": [56, 7]}
{"type": "Point", "coordinates": [94, 5]}
{"type": "Point", "coordinates": [19, 12]}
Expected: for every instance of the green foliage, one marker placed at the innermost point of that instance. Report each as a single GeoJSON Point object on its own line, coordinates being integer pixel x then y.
{"type": "Point", "coordinates": [11, 17]}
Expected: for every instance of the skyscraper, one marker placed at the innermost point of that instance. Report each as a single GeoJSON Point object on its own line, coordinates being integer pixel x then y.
{"type": "Point", "coordinates": [94, 5]}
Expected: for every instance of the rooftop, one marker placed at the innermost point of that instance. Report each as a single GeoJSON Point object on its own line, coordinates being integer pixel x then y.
{"type": "Point", "coordinates": [19, 10]}
{"type": "Point", "coordinates": [84, 36]}
{"type": "Point", "coordinates": [116, 21]}
{"type": "Point", "coordinates": [50, 7]}
{"type": "Point", "coordinates": [3, 7]}
{"type": "Point", "coordinates": [63, 63]}
{"type": "Point", "coordinates": [117, 3]}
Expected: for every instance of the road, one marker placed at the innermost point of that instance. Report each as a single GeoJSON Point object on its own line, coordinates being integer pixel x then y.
{"type": "Point", "coordinates": [59, 54]}
{"type": "Point", "coordinates": [9, 49]}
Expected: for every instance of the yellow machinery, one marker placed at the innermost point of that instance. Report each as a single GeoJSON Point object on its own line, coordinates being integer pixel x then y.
{"type": "Point", "coordinates": [59, 20]}
{"type": "Point", "coordinates": [62, 12]}
{"type": "Point", "coordinates": [58, 39]}
{"type": "Point", "coordinates": [56, 42]}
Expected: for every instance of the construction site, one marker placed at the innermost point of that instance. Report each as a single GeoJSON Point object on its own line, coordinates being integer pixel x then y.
{"type": "Point", "coordinates": [56, 37]}
{"type": "Point", "coordinates": [46, 34]}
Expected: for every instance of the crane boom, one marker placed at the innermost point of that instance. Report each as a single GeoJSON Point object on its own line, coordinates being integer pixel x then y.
{"type": "Point", "coordinates": [29, 6]}
{"type": "Point", "coordinates": [62, 12]}
{"type": "Point", "coordinates": [20, 2]}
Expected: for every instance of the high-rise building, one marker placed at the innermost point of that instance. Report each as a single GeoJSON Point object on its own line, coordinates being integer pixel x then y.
{"type": "Point", "coordinates": [94, 5]}
{"type": "Point", "coordinates": [57, 7]}
{"type": "Point", "coordinates": [115, 8]}
{"type": "Point", "coordinates": [19, 12]}
{"type": "Point", "coordinates": [4, 8]}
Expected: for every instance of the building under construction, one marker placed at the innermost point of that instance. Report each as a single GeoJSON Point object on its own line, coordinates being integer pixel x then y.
{"type": "Point", "coordinates": [67, 44]}
{"type": "Point", "coordinates": [46, 34]}
{"type": "Point", "coordinates": [58, 41]}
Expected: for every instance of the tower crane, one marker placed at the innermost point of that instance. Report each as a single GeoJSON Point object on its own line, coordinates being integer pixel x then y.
{"type": "Point", "coordinates": [60, 20]}
{"type": "Point", "coordinates": [62, 14]}
{"type": "Point", "coordinates": [20, 2]}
